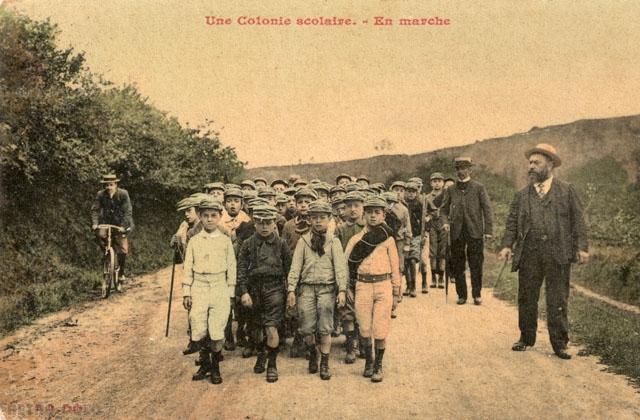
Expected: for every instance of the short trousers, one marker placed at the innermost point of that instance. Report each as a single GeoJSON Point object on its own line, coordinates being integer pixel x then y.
{"type": "Point", "coordinates": [316, 303]}
{"type": "Point", "coordinates": [268, 299]}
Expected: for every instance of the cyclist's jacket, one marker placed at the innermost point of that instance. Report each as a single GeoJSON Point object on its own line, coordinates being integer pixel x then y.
{"type": "Point", "coordinates": [114, 210]}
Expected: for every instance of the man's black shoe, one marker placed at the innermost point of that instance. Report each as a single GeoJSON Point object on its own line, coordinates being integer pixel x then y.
{"type": "Point", "coordinates": [563, 354]}
{"type": "Point", "coordinates": [519, 346]}
{"type": "Point", "coordinates": [477, 301]}
{"type": "Point", "coordinates": [461, 301]}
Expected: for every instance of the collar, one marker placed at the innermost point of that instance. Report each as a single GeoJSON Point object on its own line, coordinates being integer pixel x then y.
{"type": "Point", "coordinates": [213, 234]}
{"type": "Point", "coordinates": [269, 239]}
{"type": "Point", "coordinates": [358, 222]}
{"type": "Point", "coordinates": [467, 179]}
{"type": "Point", "coordinates": [546, 184]}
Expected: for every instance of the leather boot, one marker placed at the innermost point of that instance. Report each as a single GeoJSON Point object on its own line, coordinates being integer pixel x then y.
{"type": "Point", "coordinates": [313, 358]}
{"type": "Point", "coordinates": [216, 378]}
{"type": "Point", "coordinates": [324, 366]}
{"type": "Point", "coordinates": [368, 364]}
{"type": "Point", "coordinates": [205, 365]}
{"type": "Point", "coordinates": [424, 282]}
{"type": "Point", "coordinates": [192, 347]}
{"type": "Point", "coordinates": [272, 369]}
{"type": "Point", "coordinates": [361, 346]}
{"type": "Point", "coordinates": [297, 346]}
{"type": "Point", "coordinates": [434, 279]}
{"type": "Point", "coordinates": [260, 361]}
{"type": "Point", "coordinates": [350, 358]}
{"type": "Point", "coordinates": [377, 366]}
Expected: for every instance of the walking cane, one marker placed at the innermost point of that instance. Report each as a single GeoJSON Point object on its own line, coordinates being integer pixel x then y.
{"type": "Point", "coordinates": [173, 272]}
{"type": "Point", "coordinates": [446, 269]}
{"type": "Point", "coordinates": [495, 285]}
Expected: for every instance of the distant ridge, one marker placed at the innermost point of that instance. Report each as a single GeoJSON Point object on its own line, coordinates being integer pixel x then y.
{"type": "Point", "coordinates": [577, 142]}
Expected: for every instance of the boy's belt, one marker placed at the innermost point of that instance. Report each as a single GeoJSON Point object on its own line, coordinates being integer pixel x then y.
{"type": "Point", "coordinates": [373, 278]}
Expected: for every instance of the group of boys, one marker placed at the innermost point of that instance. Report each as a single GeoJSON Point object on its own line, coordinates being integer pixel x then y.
{"type": "Point", "coordinates": [305, 259]}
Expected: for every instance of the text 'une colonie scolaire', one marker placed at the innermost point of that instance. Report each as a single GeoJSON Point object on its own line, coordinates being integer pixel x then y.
{"type": "Point", "coordinates": [324, 21]}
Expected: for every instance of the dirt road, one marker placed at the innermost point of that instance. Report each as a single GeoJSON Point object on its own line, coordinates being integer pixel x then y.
{"type": "Point", "coordinates": [111, 359]}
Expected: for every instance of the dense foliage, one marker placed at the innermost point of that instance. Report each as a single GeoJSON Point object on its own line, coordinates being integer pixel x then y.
{"type": "Point", "coordinates": [61, 127]}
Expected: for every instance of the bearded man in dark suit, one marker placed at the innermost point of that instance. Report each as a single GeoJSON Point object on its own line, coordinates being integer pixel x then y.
{"type": "Point", "coordinates": [545, 232]}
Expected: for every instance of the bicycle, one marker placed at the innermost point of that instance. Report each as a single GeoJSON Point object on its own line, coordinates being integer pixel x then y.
{"type": "Point", "coordinates": [110, 271]}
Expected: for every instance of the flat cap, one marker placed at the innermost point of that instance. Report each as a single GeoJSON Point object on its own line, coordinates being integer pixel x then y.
{"type": "Point", "coordinates": [249, 194]}
{"type": "Point", "coordinates": [375, 202]}
{"type": "Point", "coordinates": [321, 186]}
{"type": "Point", "coordinates": [437, 175]}
{"type": "Point", "coordinates": [337, 200]}
{"type": "Point", "coordinates": [232, 186]}
{"type": "Point", "coordinates": [341, 176]}
{"type": "Point", "coordinates": [266, 192]}
{"type": "Point", "coordinates": [336, 188]}
{"type": "Point", "coordinates": [234, 192]}
{"type": "Point", "coordinates": [282, 198]}
{"type": "Point", "coordinates": [416, 179]}
{"type": "Point", "coordinates": [399, 184]}
{"type": "Point", "coordinates": [279, 181]}
{"type": "Point", "coordinates": [186, 203]}
{"type": "Point", "coordinates": [253, 202]}
{"type": "Point", "coordinates": [413, 186]}
{"type": "Point", "coordinates": [290, 191]}
{"type": "Point", "coordinates": [215, 186]}
{"type": "Point", "coordinates": [390, 197]}
{"type": "Point", "coordinates": [255, 180]}
{"type": "Point", "coordinates": [210, 203]}
{"type": "Point", "coordinates": [306, 192]}
{"type": "Point", "coordinates": [362, 177]}
{"type": "Point", "coordinates": [264, 212]}
{"type": "Point", "coordinates": [353, 196]}
{"type": "Point", "coordinates": [319, 207]}
{"type": "Point", "coordinates": [300, 182]}
{"type": "Point", "coordinates": [379, 185]}
{"type": "Point", "coordinates": [248, 183]}
{"type": "Point", "coordinates": [352, 186]}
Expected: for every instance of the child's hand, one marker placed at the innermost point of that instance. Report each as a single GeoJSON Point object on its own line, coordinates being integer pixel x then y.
{"type": "Point", "coordinates": [186, 302]}
{"type": "Point", "coordinates": [341, 299]}
{"type": "Point", "coordinates": [291, 300]}
{"type": "Point", "coordinates": [350, 297]}
{"type": "Point", "coordinates": [246, 300]}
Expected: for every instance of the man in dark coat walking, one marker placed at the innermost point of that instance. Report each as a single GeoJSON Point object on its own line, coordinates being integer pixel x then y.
{"type": "Point", "coordinates": [545, 232]}
{"type": "Point", "coordinates": [467, 217]}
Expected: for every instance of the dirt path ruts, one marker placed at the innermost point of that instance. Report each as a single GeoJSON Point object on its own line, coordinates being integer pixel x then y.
{"type": "Point", "coordinates": [443, 361]}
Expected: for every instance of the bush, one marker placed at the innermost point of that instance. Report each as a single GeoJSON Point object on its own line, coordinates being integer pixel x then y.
{"type": "Point", "coordinates": [61, 127]}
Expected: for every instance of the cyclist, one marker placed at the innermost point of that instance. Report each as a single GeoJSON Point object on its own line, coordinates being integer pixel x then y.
{"type": "Point", "coordinates": [112, 206]}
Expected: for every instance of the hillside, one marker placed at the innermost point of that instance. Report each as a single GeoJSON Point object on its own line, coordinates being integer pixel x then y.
{"type": "Point", "coordinates": [577, 143]}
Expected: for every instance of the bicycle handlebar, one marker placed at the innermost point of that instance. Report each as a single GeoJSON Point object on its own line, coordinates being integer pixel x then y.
{"type": "Point", "coordinates": [118, 228]}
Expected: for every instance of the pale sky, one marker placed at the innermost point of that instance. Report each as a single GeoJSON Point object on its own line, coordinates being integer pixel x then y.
{"type": "Point", "coordinates": [285, 94]}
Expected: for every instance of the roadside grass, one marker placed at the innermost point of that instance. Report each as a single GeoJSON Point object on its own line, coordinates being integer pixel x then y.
{"type": "Point", "coordinates": [613, 272]}
{"type": "Point", "coordinates": [603, 330]}
{"type": "Point", "coordinates": [46, 283]}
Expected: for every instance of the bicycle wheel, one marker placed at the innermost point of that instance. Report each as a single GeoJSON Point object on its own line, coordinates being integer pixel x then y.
{"type": "Point", "coordinates": [108, 282]}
